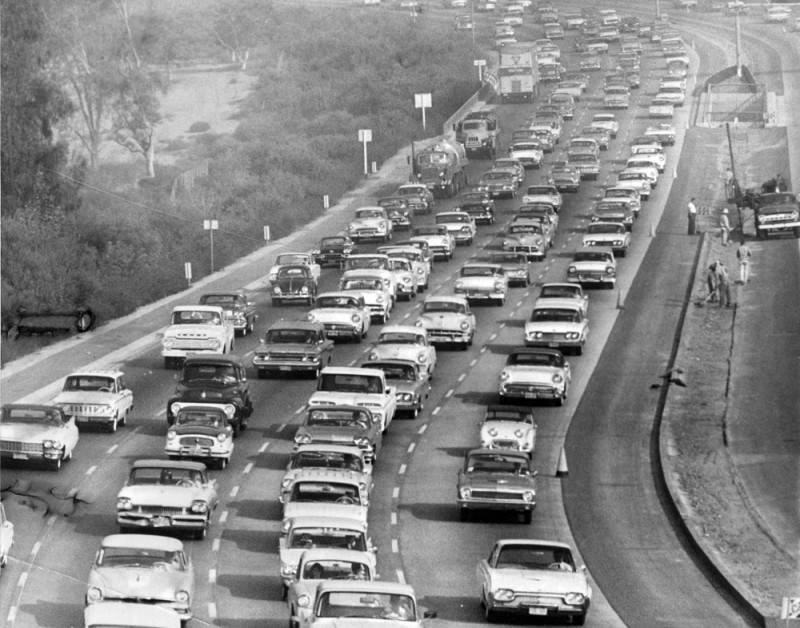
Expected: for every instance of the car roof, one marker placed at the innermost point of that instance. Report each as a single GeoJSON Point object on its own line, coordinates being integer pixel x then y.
{"type": "Point", "coordinates": [324, 473]}
{"type": "Point", "coordinates": [343, 449]}
{"type": "Point", "coordinates": [564, 303]}
{"type": "Point", "coordinates": [97, 373]}
{"type": "Point", "coordinates": [318, 521]}
{"type": "Point", "coordinates": [339, 294]}
{"type": "Point", "coordinates": [537, 351]}
{"type": "Point", "coordinates": [402, 329]}
{"type": "Point", "coordinates": [348, 370]}
{"type": "Point", "coordinates": [450, 298]}
{"type": "Point", "coordinates": [375, 586]}
{"type": "Point", "coordinates": [503, 407]}
{"type": "Point", "coordinates": [168, 464]}
{"type": "Point", "coordinates": [595, 249]}
{"type": "Point", "coordinates": [144, 541]}
{"type": "Point", "coordinates": [502, 542]}
{"type": "Point", "coordinates": [301, 324]}
{"type": "Point", "coordinates": [335, 553]}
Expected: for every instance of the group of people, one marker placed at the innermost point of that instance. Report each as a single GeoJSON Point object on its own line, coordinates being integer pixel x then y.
{"type": "Point", "coordinates": [718, 279]}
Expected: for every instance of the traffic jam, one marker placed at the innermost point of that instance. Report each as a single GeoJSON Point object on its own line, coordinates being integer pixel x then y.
{"type": "Point", "coordinates": [390, 282]}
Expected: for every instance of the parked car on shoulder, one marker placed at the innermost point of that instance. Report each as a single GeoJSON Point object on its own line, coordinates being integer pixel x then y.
{"type": "Point", "coordinates": [293, 346]}
{"type": "Point", "coordinates": [100, 398]}
{"type": "Point", "coordinates": [533, 374]}
{"type": "Point", "coordinates": [38, 433]}
{"type": "Point", "coordinates": [515, 265]}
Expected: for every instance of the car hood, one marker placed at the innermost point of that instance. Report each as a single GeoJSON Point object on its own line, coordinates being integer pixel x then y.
{"type": "Point", "coordinates": [435, 240]}
{"type": "Point", "coordinates": [368, 222]}
{"type": "Point", "coordinates": [193, 331]}
{"type": "Point", "coordinates": [526, 239]}
{"type": "Point", "coordinates": [589, 265]}
{"type": "Point", "coordinates": [29, 433]}
{"type": "Point", "coordinates": [399, 351]}
{"type": "Point", "coordinates": [334, 434]}
{"type": "Point", "coordinates": [286, 347]}
{"type": "Point", "coordinates": [292, 510]}
{"type": "Point", "coordinates": [539, 581]}
{"type": "Point", "coordinates": [540, 198]}
{"type": "Point", "coordinates": [505, 428]}
{"type": "Point", "coordinates": [84, 397]}
{"type": "Point", "coordinates": [531, 374]}
{"type": "Point", "coordinates": [492, 480]}
{"type": "Point", "coordinates": [363, 622]}
{"type": "Point", "coordinates": [199, 430]}
{"type": "Point", "coordinates": [478, 282]}
{"type": "Point", "coordinates": [335, 314]}
{"type": "Point", "coordinates": [439, 320]}
{"type": "Point", "coordinates": [139, 582]}
{"type": "Point", "coordinates": [177, 496]}
{"type": "Point", "coordinates": [326, 397]}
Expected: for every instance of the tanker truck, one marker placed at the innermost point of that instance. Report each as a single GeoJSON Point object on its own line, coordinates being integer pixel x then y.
{"type": "Point", "coordinates": [441, 167]}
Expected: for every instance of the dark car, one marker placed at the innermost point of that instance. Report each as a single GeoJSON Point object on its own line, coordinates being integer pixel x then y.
{"type": "Point", "coordinates": [237, 307]}
{"type": "Point", "coordinates": [398, 209]}
{"type": "Point", "coordinates": [342, 425]}
{"type": "Point", "coordinates": [515, 265]}
{"type": "Point", "coordinates": [479, 205]}
{"type": "Point", "coordinates": [294, 283]}
{"type": "Point", "coordinates": [293, 346]}
{"type": "Point", "coordinates": [216, 380]}
{"type": "Point", "coordinates": [333, 250]}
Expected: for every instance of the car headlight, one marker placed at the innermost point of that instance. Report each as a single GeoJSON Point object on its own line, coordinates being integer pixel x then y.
{"type": "Point", "coordinates": [528, 496]}
{"type": "Point", "coordinates": [419, 323]}
{"type": "Point", "coordinates": [199, 506]}
{"type": "Point", "coordinates": [287, 570]}
{"type": "Point", "coordinates": [557, 378]}
{"type": "Point", "coordinates": [304, 290]}
{"type": "Point", "coordinates": [405, 396]}
{"type": "Point", "coordinates": [503, 376]}
{"type": "Point", "coordinates": [379, 299]}
{"type": "Point", "coordinates": [286, 482]}
{"type": "Point", "coordinates": [277, 290]}
{"type": "Point", "coordinates": [464, 326]}
{"type": "Point", "coordinates": [172, 435]}
{"type": "Point", "coordinates": [355, 318]}
{"type": "Point", "coordinates": [304, 600]}
{"type": "Point", "coordinates": [572, 270]}
{"type": "Point", "coordinates": [610, 270]}
{"type": "Point", "coordinates": [574, 598]}
{"type": "Point", "coordinates": [589, 243]}
{"type": "Point", "coordinates": [302, 438]}
{"type": "Point", "coordinates": [422, 357]}
{"type": "Point", "coordinates": [617, 242]}
{"type": "Point", "coordinates": [499, 286]}
{"type": "Point", "coordinates": [519, 433]}
{"type": "Point", "coordinates": [372, 356]}
{"type": "Point", "coordinates": [311, 317]}
{"type": "Point", "coordinates": [465, 492]}
{"type": "Point", "coordinates": [465, 229]}
{"type": "Point", "coordinates": [229, 409]}
{"type": "Point", "coordinates": [459, 285]}
{"type": "Point", "coordinates": [53, 444]}
{"type": "Point", "coordinates": [503, 595]}
{"type": "Point", "coordinates": [94, 594]}
{"type": "Point", "coordinates": [124, 503]}
{"type": "Point", "coordinates": [361, 441]}
{"type": "Point", "coordinates": [420, 271]}
{"type": "Point", "coordinates": [105, 410]}
{"type": "Point", "coordinates": [573, 335]}
{"type": "Point", "coordinates": [168, 342]}
{"type": "Point", "coordinates": [182, 596]}
{"type": "Point", "coordinates": [221, 436]}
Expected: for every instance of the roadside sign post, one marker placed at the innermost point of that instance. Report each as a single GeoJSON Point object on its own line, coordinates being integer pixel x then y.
{"type": "Point", "coordinates": [365, 136]}
{"type": "Point", "coordinates": [266, 233]}
{"type": "Point", "coordinates": [480, 64]}
{"type": "Point", "coordinates": [422, 101]}
{"type": "Point", "coordinates": [187, 271]}
{"type": "Point", "coordinates": [211, 226]}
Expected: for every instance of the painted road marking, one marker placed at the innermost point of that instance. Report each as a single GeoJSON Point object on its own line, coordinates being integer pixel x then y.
{"type": "Point", "coordinates": [212, 611]}
{"type": "Point", "coordinates": [395, 492]}
{"type": "Point", "coordinates": [462, 377]}
{"type": "Point", "coordinates": [263, 448]}
{"type": "Point", "coordinates": [411, 448]}
{"type": "Point", "coordinates": [248, 468]}
{"type": "Point", "coordinates": [35, 550]}
{"type": "Point", "coordinates": [91, 469]}
{"type": "Point", "coordinates": [223, 517]}
{"type": "Point", "coordinates": [422, 429]}
{"type": "Point", "coordinates": [112, 449]}
{"type": "Point", "coordinates": [449, 394]}
{"type": "Point", "coordinates": [234, 492]}
{"type": "Point", "coordinates": [393, 518]}
{"type": "Point", "coordinates": [473, 362]}
{"type": "Point", "coordinates": [282, 426]}
{"type": "Point", "coordinates": [395, 547]}
{"type": "Point", "coordinates": [436, 410]}
{"type": "Point", "coordinates": [212, 576]}
{"type": "Point", "coordinates": [215, 545]}
{"type": "Point", "coordinates": [402, 469]}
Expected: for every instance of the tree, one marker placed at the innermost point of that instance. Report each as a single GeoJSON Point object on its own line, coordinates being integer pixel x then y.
{"type": "Point", "coordinates": [235, 29]}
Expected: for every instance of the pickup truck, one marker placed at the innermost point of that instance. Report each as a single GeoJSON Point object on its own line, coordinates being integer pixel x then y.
{"type": "Point", "coordinates": [339, 385]}
{"type": "Point", "coordinates": [196, 329]}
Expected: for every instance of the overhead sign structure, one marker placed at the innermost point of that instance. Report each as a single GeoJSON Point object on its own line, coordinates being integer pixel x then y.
{"type": "Point", "coordinates": [365, 136]}
{"type": "Point", "coordinates": [422, 101]}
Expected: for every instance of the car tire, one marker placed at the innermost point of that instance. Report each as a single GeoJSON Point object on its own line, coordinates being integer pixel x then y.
{"type": "Point", "coordinates": [55, 465]}
{"type": "Point", "coordinates": [527, 517]}
{"type": "Point", "coordinates": [579, 350]}
{"type": "Point", "coordinates": [489, 615]}
{"type": "Point", "coordinates": [501, 302]}
{"type": "Point", "coordinates": [112, 427]}
{"type": "Point", "coordinates": [200, 534]}
{"type": "Point", "coordinates": [463, 514]}
{"type": "Point", "coordinates": [579, 620]}
{"type": "Point", "coordinates": [261, 373]}
{"type": "Point", "coordinates": [276, 301]}
{"type": "Point", "coordinates": [223, 463]}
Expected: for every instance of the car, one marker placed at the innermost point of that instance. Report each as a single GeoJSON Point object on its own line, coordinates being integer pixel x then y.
{"type": "Point", "coordinates": [319, 531]}
{"type": "Point", "coordinates": [350, 604]}
{"type": "Point", "coordinates": [376, 264]}
{"type": "Point", "coordinates": [317, 565]}
{"type": "Point", "coordinates": [342, 314]}
{"type": "Point", "coordinates": [237, 306]}
{"type": "Point", "coordinates": [448, 320]}
{"type": "Point", "coordinates": [636, 180]}
{"type": "Point", "coordinates": [663, 132]}
{"type": "Point", "coordinates": [464, 23]}
{"type": "Point", "coordinates": [144, 568]}
{"type": "Point", "coordinates": [371, 285]}
{"type": "Point", "coordinates": [340, 424]}
{"type": "Point", "coordinates": [329, 455]}
{"type": "Point", "coordinates": [294, 282]}
{"type": "Point", "coordinates": [293, 346]}
{"type": "Point", "coordinates": [497, 480]}
{"type": "Point", "coordinates": [560, 290]}
{"type": "Point", "coordinates": [406, 342]}
{"type": "Point", "coordinates": [294, 259]}
{"type": "Point", "coordinates": [196, 329]}
{"type": "Point", "coordinates": [398, 210]}
{"type": "Point", "coordinates": [417, 264]}
{"type": "Point", "coordinates": [500, 183]}
{"type": "Point", "coordinates": [565, 102]}
{"type": "Point", "coordinates": [562, 326]}
{"type": "Point", "coordinates": [6, 536]}
{"type": "Point", "coordinates": [525, 236]}
{"type": "Point", "coordinates": [528, 152]}
{"type": "Point", "coordinates": [673, 94]}
{"type": "Point", "coordinates": [593, 265]}
{"type": "Point", "coordinates": [508, 428]}
{"type": "Point", "coordinates": [332, 250]}
{"type": "Point", "coordinates": [617, 97]}
{"type": "Point", "coordinates": [543, 192]}
{"type": "Point", "coordinates": [654, 154]}
{"type": "Point", "coordinates": [406, 279]}
{"type": "Point", "coordinates": [99, 398]}
{"type": "Point", "coordinates": [218, 381]}
{"type": "Point", "coordinates": [643, 164]}
{"type": "Point", "coordinates": [613, 235]}
{"type": "Point", "coordinates": [598, 134]}
{"type": "Point", "coordinates": [585, 163]}
{"type": "Point", "coordinates": [409, 380]}
{"type": "Point", "coordinates": [545, 134]}
{"type": "Point", "coordinates": [39, 433]}
{"type": "Point", "coordinates": [625, 192]}
{"type": "Point", "coordinates": [515, 266]}
{"type": "Point", "coordinates": [167, 495]}
{"type": "Point", "coordinates": [420, 198]}
{"type": "Point", "coordinates": [533, 578]}
{"type": "Point", "coordinates": [565, 177]}
{"type": "Point", "coordinates": [574, 88]}
{"type": "Point", "coordinates": [535, 373]}
{"type": "Point", "coordinates": [202, 432]}
{"type": "Point", "coordinates": [544, 213]}
{"type": "Point", "coordinates": [479, 281]}
{"type": "Point", "coordinates": [459, 224]}
{"type": "Point", "coordinates": [606, 121]}
{"type": "Point", "coordinates": [617, 209]}
{"type": "Point", "coordinates": [118, 615]}
{"type": "Point", "coordinates": [590, 61]}
{"type": "Point", "coordinates": [370, 223]}
{"type": "Point", "coordinates": [479, 205]}
{"type": "Point", "coordinates": [511, 164]}
{"type": "Point", "coordinates": [440, 240]}
{"type": "Point", "coordinates": [661, 108]}
{"type": "Point", "coordinates": [579, 145]}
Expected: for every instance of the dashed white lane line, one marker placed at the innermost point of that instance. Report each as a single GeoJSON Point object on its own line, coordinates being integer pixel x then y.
{"type": "Point", "coordinates": [483, 350]}
{"type": "Point", "coordinates": [436, 410]}
{"type": "Point", "coordinates": [223, 517]}
{"type": "Point", "coordinates": [212, 611]}
{"type": "Point", "coordinates": [215, 545]}
{"type": "Point", "coordinates": [299, 410]}
{"type": "Point", "coordinates": [161, 412]}
{"type": "Point", "coordinates": [411, 448]}
{"type": "Point", "coordinates": [393, 518]}
{"type": "Point", "coordinates": [406, 315]}
{"type": "Point", "coordinates": [35, 550]}
{"type": "Point", "coordinates": [23, 578]}
{"type": "Point", "coordinates": [248, 468]}
{"type": "Point", "coordinates": [91, 469]}
{"type": "Point", "coordinates": [282, 426]}
{"type": "Point", "coordinates": [473, 362]}
{"type": "Point", "coordinates": [401, 577]}
{"type": "Point", "coordinates": [12, 615]}
{"type": "Point", "coordinates": [519, 304]}
{"type": "Point", "coordinates": [395, 547]}
{"type": "Point", "coordinates": [263, 448]}
{"type": "Point", "coordinates": [395, 492]}
{"type": "Point", "coordinates": [493, 336]}
{"type": "Point", "coordinates": [234, 492]}
{"type": "Point", "coordinates": [402, 470]}
{"type": "Point", "coordinates": [422, 429]}
{"type": "Point", "coordinates": [352, 362]}
{"type": "Point", "coordinates": [212, 576]}
{"type": "Point", "coordinates": [462, 377]}
{"type": "Point", "coordinates": [112, 449]}
{"type": "Point", "coordinates": [449, 394]}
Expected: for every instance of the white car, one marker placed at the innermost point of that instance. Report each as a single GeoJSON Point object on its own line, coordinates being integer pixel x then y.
{"type": "Point", "coordinates": [482, 281]}
{"type": "Point", "coordinates": [606, 121]}
{"type": "Point", "coordinates": [343, 314]}
{"type": "Point", "coordinates": [370, 223]}
{"type": "Point", "coordinates": [372, 287]}
{"type": "Point", "coordinates": [675, 95]}
{"type": "Point", "coordinates": [559, 290]}
{"type": "Point", "coordinates": [37, 433]}
{"type": "Point", "coordinates": [293, 259]}
{"type": "Point", "coordinates": [196, 329]}
{"type": "Point", "coordinates": [6, 536]}
{"type": "Point", "coordinates": [535, 374]}
{"type": "Point", "coordinates": [358, 604]}
{"type": "Point", "coordinates": [459, 224]}
{"type": "Point", "coordinates": [419, 265]}
{"type": "Point", "coordinates": [448, 320]}
{"type": "Point", "coordinates": [96, 398]}
{"type": "Point", "coordinates": [636, 180]}
{"type": "Point", "coordinates": [593, 265]}
{"type": "Point", "coordinates": [664, 132]}
{"type": "Point", "coordinates": [377, 263]}
{"type": "Point", "coordinates": [543, 192]}
{"type": "Point", "coordinates": [405, 277]}
{"type": "Point", "coordinates": [654, 152]}
{"type": "Point", "coordinates": [533, 578]}
{"type": "Point", "coordinates": [325, 492]}
{"type": "Point", "coordinates": [562, 325]}
{"type": "Point", "coordinates": [322, 453]}
{"type": "Point", "coordinates": [641, 163]}
{"type": "Point", "coordinates": [405, 342]}
{"type": "Point", "coordinates": [200, 431]}
{"type": "Point", "coordinates": [508, 427]}
{"type": "Point", "coordinates": [529, 153]}
{"type": "Point", "coordinates": [613, 235]}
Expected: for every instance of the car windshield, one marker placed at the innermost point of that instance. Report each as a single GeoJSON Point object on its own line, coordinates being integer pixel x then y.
{"type": "Point", "coordinates": [516, 146]}
{"type": "Point", "coordinates": [165, 476]}
{"type": "Point", "coordinates": [362, 284]}
{"type": "Point", "coordinates": [331, 417]}
{"type": "Point", "coordinates": [401, 338]}
{"type": "Point", "coordinates": [293, 272]}
{"type": "Point", "coordinates": [365, 262]}
{"type": "Point", "coordinates": [335, 569]}
{"type": "Point", "coordinates": [529, 227]}
{"type": "Point", "coordinates": [398, 372]}
{"type": "Point", "coordinates": [529, 556]}
{"type": "Point", "coordinates": [140, 557]}
{"type": "Point", "coordinates": [459, 217]}
{"type": "Point", "coordinates": [196, 317]}
{"type": "Point", "coordinates": [326, 492]}
{"type": "Point", "coordinates": [311, 537]}
{"type": "Point", "coordinates": [605, 228]}
{"type": "Point", "coordinates": [509, 258]}
{"type": "Point", "coordinates": [41, 416]}
{"type": "Point", "coordinates": [583, 157]}
{"type": "Point", "coordinates": [223, 300]}
{"type": "Point", "coordinates": [481, 271]}
{"type": "Point", "coordinates": [545, 190]}
{"type": "Point", "coordinates": [591, 256]}
{"type": "Point", "coordinates": [326, 460]}
{"type": "Point", "coordinates": [89, 383]}
{"type": "Point", "coordinates": [410, 190]}
{"type": "Point", "coordinates": [501, 414]}
{"type": "Point", "coordinates": [555, 315]}
{"type": "Point", "coordinates": [337, 302]}
{"type": "Point", "coordinates": [428, 230]}
{"type": "Point", "coordinates": [496, 176]}
{"type": "Point", "coordinates": [497, 463]}
{"type": "Point", "coordinates": [367, 604]}
{"type": "Point", "coordinates": [369, 213]}
{"type": "Point", "coordinates": [398, 264]}
{"type": "Point", "coordinates": [225, 373]}
{"type": "Point", "coordinates": [200, 418]}
{"type": "Point", "coordinates": [294, 336]}
{"type": "Point", "coordinates": [351, 382]}
{"type": "Point", "coordinates": [334, 241]}
{"type": "Point", "coordinates": [291, 258]}
{"type": "Point", "coordinates": [444, 306]}
{"type": "Point", "coordinates": [533, 359]}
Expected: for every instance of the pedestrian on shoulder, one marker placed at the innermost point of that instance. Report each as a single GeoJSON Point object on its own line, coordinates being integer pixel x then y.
{"type": "Point", "coordinates": [724, 226]}
{"type": "Point", "coordinates": [711, 283]}
{"type": "Point", "coordinates": [691, 210]}
{"type": "Point", "coordinates": [723, 285]}
{"type": "Point", "coordinates": [743, 254]}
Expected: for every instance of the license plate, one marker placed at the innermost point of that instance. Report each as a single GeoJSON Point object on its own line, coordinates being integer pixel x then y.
{"type": "Point", "coordinates": [161, 521]}
{"type": "Point", "coordinates": [284, 368]}
{"type": "Point", "coordinates": [537, 611]}
{"type": "Point", "coordinates": [530, 395]}
{"type": "Point", "coordinates": [552, 344]}
{"type": "Point", "coordinates": [20, 456]}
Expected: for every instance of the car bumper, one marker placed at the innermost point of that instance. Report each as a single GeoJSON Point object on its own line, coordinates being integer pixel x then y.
{"type": "Point", "coordinates": [161, 522]}
{"type": "Point", "coordinates": [182, 353]}
{"type": "Point", "coordinates": [553, 344]}
{"type": "Point", "coordinates": [516, 505]}
{"type": "Point", "coordinates": [591, 278]}
{"type": "Point", "coordinates": [286, 365]}
{"type": "Point", "coordinates": [537, 605]}
{"type": "Point", "coordinates": [526, 393]}
{"type": "Point", "coordinates": [341, 331]}
{"type": "Point", "coordinates": [441, 337]}
{"type": "Point", "coordinates": [183, 611]}
{"type": "Point", "coordinates": [198, 452]}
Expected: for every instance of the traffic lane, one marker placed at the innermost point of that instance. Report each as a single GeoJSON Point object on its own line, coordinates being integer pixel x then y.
{"type": "Point", "coordinates": [763, 431]}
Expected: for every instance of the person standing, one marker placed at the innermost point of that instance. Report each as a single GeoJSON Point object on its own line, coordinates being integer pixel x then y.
{"type": "Point", "coordinates": [691, 209]}
{"type": "Point", "coordinates": [743, 254]}
{"type": "Point", "coordinates": [711, 283]}
{"type": "Point", "coordinates": [723, 285]}
{"type": "Point", "coordinates": [724, 226]}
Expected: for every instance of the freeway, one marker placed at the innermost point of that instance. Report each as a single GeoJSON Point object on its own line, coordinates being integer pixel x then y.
{"type": "Point", "coordinates": [413, 517]}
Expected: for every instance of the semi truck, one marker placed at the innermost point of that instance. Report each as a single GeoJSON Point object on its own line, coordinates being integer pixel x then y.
{"type": "Point", "coordinates": [517, 73]}
{"type": "Point", "coordinates": [441, 167]}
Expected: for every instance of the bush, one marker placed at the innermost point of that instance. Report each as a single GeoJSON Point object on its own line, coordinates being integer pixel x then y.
{"type": "Point", "coordinates": [199, 127]}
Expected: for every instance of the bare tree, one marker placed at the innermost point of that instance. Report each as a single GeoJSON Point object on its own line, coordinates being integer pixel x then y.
{"type": "Point", "coordinates": [236, 31]}
{"type": "Point", "coordinates": [124, 14]}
